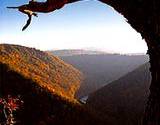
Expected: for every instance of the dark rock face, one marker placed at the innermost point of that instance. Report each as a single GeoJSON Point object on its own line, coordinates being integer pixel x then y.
{"type": "Point", "coordinates": [144, 16]}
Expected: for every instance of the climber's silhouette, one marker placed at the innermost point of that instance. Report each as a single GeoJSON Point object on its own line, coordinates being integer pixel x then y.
{"type": "Point", "coordinates": [44, 7]}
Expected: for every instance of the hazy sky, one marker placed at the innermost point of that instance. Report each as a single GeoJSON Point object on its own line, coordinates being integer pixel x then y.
{"type": "Point", "coordinates": [85, 24]}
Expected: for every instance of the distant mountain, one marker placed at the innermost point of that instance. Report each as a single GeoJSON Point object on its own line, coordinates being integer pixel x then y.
{"type": "Point", "coordinates": [122, 101]}
{"type": "Point", "coordinates": [101, 69]}
{"type": "Point", "coordinates": [72, 52]}
{"type": "Point", "coordinates": [45, 84]}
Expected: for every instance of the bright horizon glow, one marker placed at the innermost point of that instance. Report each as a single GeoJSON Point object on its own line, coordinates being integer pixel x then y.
{"type": "Point", "coordinates": [101, 28]}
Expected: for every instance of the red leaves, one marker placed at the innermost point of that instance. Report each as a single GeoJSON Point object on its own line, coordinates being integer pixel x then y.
{"type": "Point", "coordinates": [8, 106]}
{"type": "Point", "coordinates": [11, 103]}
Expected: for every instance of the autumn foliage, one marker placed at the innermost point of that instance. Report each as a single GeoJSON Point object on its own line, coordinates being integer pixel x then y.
{"type": "Point", "coordinates": [46, 85]}
{"type": "Point", "coordinates": [47, 70]}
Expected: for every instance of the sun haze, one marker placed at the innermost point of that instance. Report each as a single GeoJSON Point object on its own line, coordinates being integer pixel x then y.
{"type": "Point", "coordinates": [86, 24]}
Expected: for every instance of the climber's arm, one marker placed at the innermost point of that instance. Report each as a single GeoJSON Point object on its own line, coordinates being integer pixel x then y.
{"type": "Point", "coordinates": [44, 7]}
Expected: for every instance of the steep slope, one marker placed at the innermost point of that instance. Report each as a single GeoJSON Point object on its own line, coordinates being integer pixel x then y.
{"type": "Point", "coordinates": [48, 70]}
{"type": "Point", "coordinates": [48, 98]}
{"type": "Point", "coordinates": [101, 69]}
{"type": "Point", "coordinates": [124, 99]}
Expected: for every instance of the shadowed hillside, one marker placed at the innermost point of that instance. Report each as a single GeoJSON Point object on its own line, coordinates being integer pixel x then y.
{"type": "Point", "coordinates": [123, 100]}
{"type": "Point", "coordinates": [101, 69]}
{"type": "Point", "coordinates": [46, 85]}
